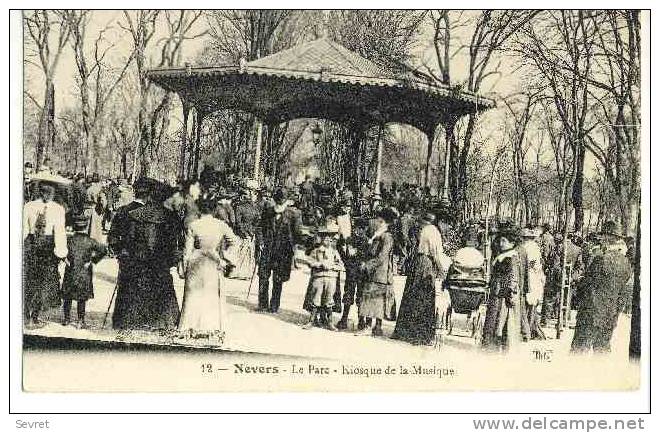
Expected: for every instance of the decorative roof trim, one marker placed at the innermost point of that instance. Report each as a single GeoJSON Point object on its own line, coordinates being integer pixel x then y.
{"type": "Point", "coordinates": [326, 77]}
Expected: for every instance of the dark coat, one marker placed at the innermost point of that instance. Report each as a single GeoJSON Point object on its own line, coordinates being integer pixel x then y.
{"type": "Point", "coordinates": [247, 219]}
{"type": "Point", "coordinates": [79, 197]}
{"type": "Point", "coordinates": [83, 251]}
{"type": "Point", "coordinates": [573, 259]}
{"type": "Point", "coordinates": [379, 261]}
{"type": "Point", "coordinates": [145, 294]}
{"type": "Point", "coordinates": [279, 236]}
{"type": "Point", "coordinates": [603, 291]}
{"type": "Point", "coordinates": [378, 268]}
{"type": "Point", "coordinates": [503, 313]}
{"type": "Point", "coordinates": [118, 234]}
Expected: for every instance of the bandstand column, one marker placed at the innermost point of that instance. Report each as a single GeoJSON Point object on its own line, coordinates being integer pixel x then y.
{"type": "Point", "coordinates": [198, 139]}
{"type": "Point", "coordinates": [379, 162]}
{"type": "Point", "coordinates": [449, 130]}
{"type": "Point", "coordinates": [184, 139]}
{"type": "Point", "coordinates": [430, 137]}
{"type": "Point", "coordinates": [257, 151]}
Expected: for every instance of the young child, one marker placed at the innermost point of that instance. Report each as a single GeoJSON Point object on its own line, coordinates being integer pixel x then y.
{"type": "Point", "coordinates": [325, 264]}
{"type": "Point", "coordinates": [77, 284]}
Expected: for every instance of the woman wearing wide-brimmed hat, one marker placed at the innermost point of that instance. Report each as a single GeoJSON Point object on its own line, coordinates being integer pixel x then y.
{"type": "Point", "coordinates": [503, 312]}
{"type": "Point", "coordinates": [44, 245]}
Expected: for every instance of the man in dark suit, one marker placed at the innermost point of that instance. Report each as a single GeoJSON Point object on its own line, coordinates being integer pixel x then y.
{"type": "Point", "coordinates": [280, 231]}
{"type": "Point", "coordinates": [602, 293]}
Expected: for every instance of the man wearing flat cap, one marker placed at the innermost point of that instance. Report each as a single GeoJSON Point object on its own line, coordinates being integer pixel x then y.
{"type": "Point", "coordinates": [280, 230]}
{"type": "Point", "coordinates": [602, 293]}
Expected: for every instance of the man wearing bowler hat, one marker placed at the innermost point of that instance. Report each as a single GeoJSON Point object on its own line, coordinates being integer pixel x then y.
{"type": "Point", "coordinates": [280, 230]}
{"type": "Point", "coordinates": [602, 293]}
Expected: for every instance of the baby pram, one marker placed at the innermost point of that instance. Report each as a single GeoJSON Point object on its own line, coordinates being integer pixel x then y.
{"type": "Point", "coordinates": [468, 289]}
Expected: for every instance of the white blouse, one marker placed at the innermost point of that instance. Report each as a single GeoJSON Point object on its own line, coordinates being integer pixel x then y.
{"type": "Point", "coordinates": [54, 215]}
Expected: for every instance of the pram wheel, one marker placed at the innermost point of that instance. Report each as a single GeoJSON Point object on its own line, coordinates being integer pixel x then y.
{"type": "Point", "coordinates": [477, 325]}
{"type": "Point", "coordinates": [450, 321]}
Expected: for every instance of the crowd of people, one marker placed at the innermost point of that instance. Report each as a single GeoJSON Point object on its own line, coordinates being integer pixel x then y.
{"type": "Point", "coordinates": [353, 240]}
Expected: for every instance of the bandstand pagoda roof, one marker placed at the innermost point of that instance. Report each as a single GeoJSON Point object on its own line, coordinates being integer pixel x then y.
{"type": "Point", "coordinates": [320, 79]}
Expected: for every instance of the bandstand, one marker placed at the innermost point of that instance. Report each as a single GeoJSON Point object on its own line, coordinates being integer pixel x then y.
{"type": "Point", "coordinates": [319, 79]}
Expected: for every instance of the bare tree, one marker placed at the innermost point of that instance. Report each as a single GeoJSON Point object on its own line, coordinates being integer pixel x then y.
{"type": "Point", "coordinates": [154, 107]}
{"type": "Point", "coordinates": [490, 31]}
{"type": "Point", "coordinates": [49, 32]}
{"type": "Point", "coordinates": [521, 108]}
{"type": "Point", "coordinates": [95, 83]}
{"type": "Point", "coordinates": [248, 34]}
{"type": "Point", "coordinates": [615, 83]}
{"type": "Point", "coordinates": [387, 39]}
{"type": "Point", "coordinates": [560, 45]}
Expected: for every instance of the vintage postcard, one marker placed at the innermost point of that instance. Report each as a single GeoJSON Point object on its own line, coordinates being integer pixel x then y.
{"type": "Point", "coordinates": [334, 200]}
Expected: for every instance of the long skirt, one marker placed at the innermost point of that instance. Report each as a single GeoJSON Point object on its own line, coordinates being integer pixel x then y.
{"type": "Point", "coordinates": [377, 301]}
{"type": "Point", "coordinates": [41, 279]}
{"type": "Point", "coordinates": [245, 263]}
{"type": "Point", "coordinates": [502, 325]}
{"type": "Point", "coordinates": [204, 306]}
{"type": "Point", "coordinates": [417, 316]}
{"type": "Point", "coordinates": [145, 298]}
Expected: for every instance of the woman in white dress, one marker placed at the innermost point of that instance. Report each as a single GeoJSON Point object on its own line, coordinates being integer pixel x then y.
{"type": "Point", "coordinates": [205, 259]}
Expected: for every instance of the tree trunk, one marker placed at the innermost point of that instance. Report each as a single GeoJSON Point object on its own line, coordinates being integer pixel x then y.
{"type": "Point", "coordinates": [635, 345]}
{"type": "Point", "coordinates": [578, 184]}
{"type": "Point", "coordinates": [44, 135]}
{"type": "Point", "coordinates": [461, 184]}
{"type": "Point", "coordinates": [124, 164]}
{"type": "Point", "coordinates": [429, 153]}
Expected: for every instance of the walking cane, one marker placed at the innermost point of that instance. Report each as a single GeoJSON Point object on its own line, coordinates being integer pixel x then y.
{"type": "Point", "coordinates": [112, 298]}
{"type": "Point", "coordinates": [254, 272]}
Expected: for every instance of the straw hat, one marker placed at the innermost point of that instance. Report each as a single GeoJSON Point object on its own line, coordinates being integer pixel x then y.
{"type": "Point", "coordinates": [528, 233]}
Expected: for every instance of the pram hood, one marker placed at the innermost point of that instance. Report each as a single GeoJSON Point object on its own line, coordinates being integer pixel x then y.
{"type": "Point", "coordinates": [468, 267]}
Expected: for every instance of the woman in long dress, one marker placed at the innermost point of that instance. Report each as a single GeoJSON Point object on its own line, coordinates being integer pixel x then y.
{"type": "Point", "coordinates": [416, 319]}
{"type": "Point", "coordinates": [44, 246]}
{"type": "Point", "coordinates": [204, 309]}
{"type": "Point", "coordinates": [502, 325]}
